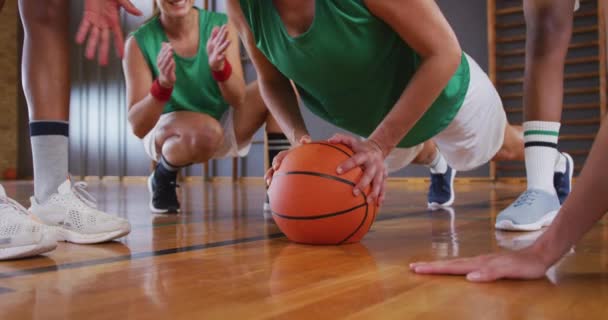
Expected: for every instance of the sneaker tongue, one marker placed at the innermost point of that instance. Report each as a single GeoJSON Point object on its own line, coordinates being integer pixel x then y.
{"type": "Point", "coordinates": [65, 187]}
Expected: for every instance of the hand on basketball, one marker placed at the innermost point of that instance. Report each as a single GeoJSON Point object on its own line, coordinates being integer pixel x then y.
{"type": "Point", "coordinates": [525, 264]}
{"type": "Point", "coordinates": [276, 163]}
{"type": "Point", "coordinates": [166, 66]}
{"type": "Point", "coordinates": [99, 19]}
{"type": "Point", "coordinates": [370, 158]}
{"type": "Point", "coordinates": [216, 47]}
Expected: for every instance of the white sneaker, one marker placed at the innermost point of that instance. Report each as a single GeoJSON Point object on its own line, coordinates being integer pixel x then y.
{"type": "Point", "coordinates": [20, 236]}
{"type": "Point", "coordinates": [73, 213]}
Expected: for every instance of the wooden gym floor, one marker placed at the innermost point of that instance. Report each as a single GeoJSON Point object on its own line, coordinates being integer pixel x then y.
{"type": "Point", "coordinates": [220, 260]}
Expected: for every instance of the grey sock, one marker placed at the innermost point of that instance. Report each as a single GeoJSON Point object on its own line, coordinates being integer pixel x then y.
{"type": "Point", "coordinates": [50, 155]}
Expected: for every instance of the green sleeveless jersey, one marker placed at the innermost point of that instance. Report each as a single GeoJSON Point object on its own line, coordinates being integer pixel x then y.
{"type": "Point", "coordinates": [195, 89]}
{"type": "Point", "coordinates": [351, 67]}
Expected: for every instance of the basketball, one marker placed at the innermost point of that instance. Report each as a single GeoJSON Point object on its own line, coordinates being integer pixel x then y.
{"type": "Point", "coordinates": [312, 204]}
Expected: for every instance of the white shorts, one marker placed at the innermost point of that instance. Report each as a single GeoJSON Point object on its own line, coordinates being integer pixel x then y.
{"type": "Point", "coordinates": [475, 135]}
{"type": "Point", "coordinates": [229, 147]}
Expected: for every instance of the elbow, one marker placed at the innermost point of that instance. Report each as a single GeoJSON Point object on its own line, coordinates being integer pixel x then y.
{"type": "Point", "coordinates": [452, 57]}
{"type": "Point", "coordinates": [137, 129]}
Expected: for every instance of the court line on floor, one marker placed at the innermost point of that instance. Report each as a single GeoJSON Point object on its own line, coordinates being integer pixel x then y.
{"type": "Point", "coordinates": [414, 212]}
{"type": "Point", "coordinates": [6, 290]}
{"type": "Point", "coordinates": [197, 247]}
{"type": "Point", "coordinates": [136, 256]}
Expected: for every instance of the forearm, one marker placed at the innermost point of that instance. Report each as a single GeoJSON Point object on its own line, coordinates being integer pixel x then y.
{"type": "Point", "coordinates": [585, 206]}
{"type": "Point", "coordinates": [426, 85]}
{"type": "Point", "coordinates": [233, 89]}
{"type": "Point", "coordinates": [283, 104]}
{"type": "Point", "coordinates": [144, 115]}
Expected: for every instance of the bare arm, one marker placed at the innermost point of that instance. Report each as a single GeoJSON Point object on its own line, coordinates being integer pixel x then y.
{"type": "Point", "coordinates": [585, 205]}
{"type": "Point", "coordinates": [144, 110]}
{"type": "Point", "coordinates": [423, 27]}
{"type": "Point", "coordinates": [275, 88]}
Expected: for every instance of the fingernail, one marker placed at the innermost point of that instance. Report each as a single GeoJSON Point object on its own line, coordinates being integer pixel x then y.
{"type": "Point", "coordinates": [339, 170]}
{"type": "Point", "coordinates": [356, 192]}
{"type": "Point", "coordinates": [474, 276]}
{"type": "Point", "coordinates": [267, 182]}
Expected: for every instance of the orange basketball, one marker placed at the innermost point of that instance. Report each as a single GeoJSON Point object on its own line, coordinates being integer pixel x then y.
{"type": "Point", "coordinates": [312, 204]}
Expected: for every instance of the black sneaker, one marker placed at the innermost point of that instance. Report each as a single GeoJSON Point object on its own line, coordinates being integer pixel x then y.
{"type": "Point", "coordinates": [441, 191]}
{"type": "Point", "coordinates": [163, 196]}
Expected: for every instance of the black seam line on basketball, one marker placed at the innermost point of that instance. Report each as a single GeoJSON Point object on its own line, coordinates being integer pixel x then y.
{"type": "Point", "coordinates": [360, 225]}
{"type": "Point", "coordinates": [540, 144]}
{"type": "Point", "coordinates": [316, 174]}
{"type": "Point", "coordinates": [136, 256]}
{"type": "Point", "coordinates": [328, 215]}
{"type": "Point", "coordinates": [332, 146]}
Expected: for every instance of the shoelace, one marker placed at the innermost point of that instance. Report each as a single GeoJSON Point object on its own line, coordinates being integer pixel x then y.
{"type": "Point", "coordinates": [8, 204]}
{"type": "Point", "coordinates": [80, 190]}
{"type": "Point", "coordinates": [437, 183]}
{"type": "Point", "coordinates": [526, 198]}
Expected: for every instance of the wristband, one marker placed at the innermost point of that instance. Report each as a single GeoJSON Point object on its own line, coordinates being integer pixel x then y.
{"type": "Point", "coordinates": [224, 74]}
{"type": "Point", "coordinates": [159, 92]}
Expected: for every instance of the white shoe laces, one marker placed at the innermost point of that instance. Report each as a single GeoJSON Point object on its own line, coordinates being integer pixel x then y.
{"type": "Point", "coordinates": [10, 205]}
{"type": "Point", "coordinates": [80, 190]}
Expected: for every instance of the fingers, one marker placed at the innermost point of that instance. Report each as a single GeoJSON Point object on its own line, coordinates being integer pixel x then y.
{"type": "Point", "coordinates": [165, 54]}
{"type": "Point", "coordinates": [366, 179]}
{"type": "Point", "coordinates": [268, 176]}
{"type": "Point", "coordinates": [485, 275]}
{"type": "Point", "coordinates": [305, 139]}
{"type": "Point", "coordinates": [171, 71]}
{"type": "Point", "coordinates": [276, 162]}
{"type": "Point", "coordinates": [83, 29]}
{"type": "Point", "coordinates": [355, 161]}
{"type": "Point", "coordinates": [381, 194]}
{"type": "Point", "coordinates": [129, 7]}
{"type": "Point", "coordinates": [104, 47]}
{"type": "Point", "coordinates": [344, 139]}
{"type": "Point", "coordinates": [222, 35]}
{"type": "Point", "coordinates": [119, 40]}
{"type": "Point", "coordinates": [377, 185]}
{"type": "Point", "coordinates": [92, 43]}
{"type": "Point", "coordinates": [222, 48]}
{"type": "Point", "coordinates": [274, 166]}
{"type": "Point", "coordinates": [214, 33]}
{"type": "Point", "coordinates": [456, 267]}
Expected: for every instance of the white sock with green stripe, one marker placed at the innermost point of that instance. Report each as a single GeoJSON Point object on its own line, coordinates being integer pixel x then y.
{"type": "Point", "coordinates": [541, 153]}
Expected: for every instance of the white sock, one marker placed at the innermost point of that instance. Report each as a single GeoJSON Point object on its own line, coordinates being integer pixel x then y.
{"type": "Point", "coordinates": [50, 155]}
{"type": "Point", "coordinates": [438, 165]}
{"type": "Point", "coordinates": [541, 153]}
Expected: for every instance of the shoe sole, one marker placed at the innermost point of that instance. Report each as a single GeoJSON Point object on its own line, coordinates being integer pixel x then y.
{"type": "Point", "coordinates": [46, 244]}
{"type": "Point", "coordinates": [544, 221]}
{"type": "Point", "coordinates": [80, 238]}
{"type": "Point", "coordinates": [267, 212]}
{"type": "Point", "coordinates": [435, 205]}
{"type": "Point", "coordinates": [150, 204]}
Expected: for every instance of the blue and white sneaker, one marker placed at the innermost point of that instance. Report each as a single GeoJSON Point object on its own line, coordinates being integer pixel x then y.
{"type": "Point", "coordinates": [563, 181]}
{"type": "Point", "coordinates": [441, 191]}
{"type": "Point", "coordinates": [533, 210]}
